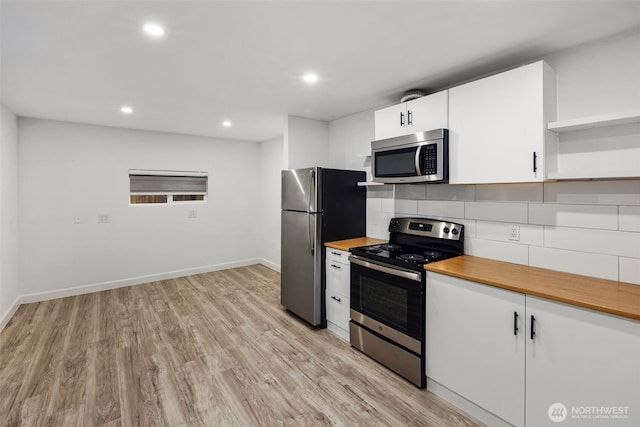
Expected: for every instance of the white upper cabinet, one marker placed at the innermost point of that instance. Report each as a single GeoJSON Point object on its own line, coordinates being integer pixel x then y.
{"type": "Point", "coordinates": [498, 126]}
{"type": "Point", "coordinates": [418, 115]}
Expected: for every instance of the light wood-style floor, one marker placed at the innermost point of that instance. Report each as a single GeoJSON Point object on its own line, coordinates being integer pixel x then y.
{"type": "Point", "coordinates": [213, 349]}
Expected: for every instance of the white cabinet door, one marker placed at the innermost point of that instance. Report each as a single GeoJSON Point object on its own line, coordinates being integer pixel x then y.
{"type": "Point", "coordinates": [589, 362]}
{"type": "Point", "coordinates": [338, 277]}
{"type": "Point", "coordinates": [419, 115]}
{"type": "Point", "coordinates": [428, 113]}
{"type": "Point", "coordinates": [472, 346]}
{"type": "Point", "coordinates": [391, 121]}
{"type": "Point", "coordinates": [497, 125]}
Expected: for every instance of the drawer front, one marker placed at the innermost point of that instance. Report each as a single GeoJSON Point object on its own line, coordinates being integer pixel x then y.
{"type": "Point", "coordinates": [336, 255]}
{"type": "Point", "coordinates": [338, 309]}
{"type": "Point", "coordinates": [338, 277]}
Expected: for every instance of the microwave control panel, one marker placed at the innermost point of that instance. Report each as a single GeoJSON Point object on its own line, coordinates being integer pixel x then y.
{"type": "Point", "coordinates": [430, 159]}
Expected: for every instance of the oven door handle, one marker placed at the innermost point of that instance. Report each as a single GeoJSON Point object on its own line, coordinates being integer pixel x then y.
{"type": "Point", "coordinates": [411, 275]}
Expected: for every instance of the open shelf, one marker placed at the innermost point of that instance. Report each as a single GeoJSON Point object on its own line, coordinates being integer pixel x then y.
{"type": "Point", "coordinates": [603, 120]}
{"type": "Point", "coordinates": [633, 173]}
{"type": "Point", "coordinates": [369, 184]}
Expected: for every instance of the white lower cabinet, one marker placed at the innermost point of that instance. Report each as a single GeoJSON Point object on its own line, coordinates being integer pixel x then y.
{"type": "Point", "coordinates": [586, 361]}
{"type": "Point", "coordinates": [579, 364]}
{"type": "Point", "coordinates": [338, 276]}
{"type": "Point", "coordinates": [470, 344]}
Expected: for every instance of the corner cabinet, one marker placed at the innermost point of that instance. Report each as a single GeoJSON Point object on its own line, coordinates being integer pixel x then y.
{"type": "Point", "coordinates": [583, 360]}
{"type": "Point", "coordinates": [498, 126]}
{"type": "Point", "coordinates": [338, 276]}
{"type": "Point", "coordinates": [515, 356]}
{"type": "Point", "coordinates": [418, 115]}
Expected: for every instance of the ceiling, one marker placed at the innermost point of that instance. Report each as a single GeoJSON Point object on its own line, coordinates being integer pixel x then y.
{"type": "Point", "coordinates": [241, 61]}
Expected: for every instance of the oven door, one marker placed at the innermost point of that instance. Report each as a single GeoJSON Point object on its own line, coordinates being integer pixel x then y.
{"type": "Point", "coordinates": [390, 296]}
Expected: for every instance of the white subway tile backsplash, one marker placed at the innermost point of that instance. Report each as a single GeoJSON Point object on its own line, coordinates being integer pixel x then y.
{"type": "Point", "coordinates": [451, 192]}
{"type": "Point", "coordinates": [616, 192]}
{"type": "Point", "coordinates": [630, 218]}
{"type": "Point", "coordinates": [584, 227]}
{"type": "Point", "coordinates": [411, 191]}
{"type": "Point", "coordinates": [509, 252]}
{"type": "Point", "coordinates": [630, 270]}
{"type": "Point", "coordinates": [374, 204]}
{"type": "Point", "coordinates": [587, 264]}
{"type": "Point", "coordinates": [469, 226]}
{"type": "Point", "coordinates": [619, 243]}
{"type": "Point", "coordinates": [406, 207]}
{"type": "Point", "coordinates": [490, 211]}
{"type": "Point", "coordinates": [529, 234]}
{"type": "Point", "coordinates": [380, 191]}
{"type": "Point", "coordinates": [583, 216]}
{"type": "Point", "coordinates": [387, 205]}
{"type": "Point", "coordinates": [377, 231]}
{"type": "Point", "coordinates": [441, 209]}
{"type": "Point", "coordinates": [528, 192]}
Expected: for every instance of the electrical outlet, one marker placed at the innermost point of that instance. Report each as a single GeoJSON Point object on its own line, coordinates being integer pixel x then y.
{"type": "Point", "coordinates": [514, 232]}
{"type": "Point", "coordinates": [77, 220]}
{"type": "Point", "coordinates": [192, 214]}
{"type": "Point", "coordinates": [104, 219]}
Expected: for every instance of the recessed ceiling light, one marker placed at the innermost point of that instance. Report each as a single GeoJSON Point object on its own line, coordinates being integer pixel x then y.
{"type": "Point", "coordinates": [310, 78]}
{"type": "Point", "coordinates": [154, 30]}
{"type": "Point", "coordinates": [226, 124]}
{"type": "Point", "coordinates": [125, 109]}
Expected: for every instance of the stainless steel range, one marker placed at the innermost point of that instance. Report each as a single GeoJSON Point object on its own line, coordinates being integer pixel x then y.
{"type": "Point", "coordinates": [388, 292]}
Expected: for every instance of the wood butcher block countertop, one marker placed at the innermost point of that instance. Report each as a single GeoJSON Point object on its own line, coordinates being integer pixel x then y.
{"type": "Point", "coordinates": [345, 245]}
{"type": "Point", "coordinates": [621, 299]}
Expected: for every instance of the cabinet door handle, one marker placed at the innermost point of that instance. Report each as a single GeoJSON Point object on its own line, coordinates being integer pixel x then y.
{"type": "Point", "coordinates": [336, 253]}
{"type": "Point", "coordinates": [409, 118]}
{"type": "Point", "coordinates": [533, 329]}
{"type": "Point", "coordinates": [401, 119]}
{"type": "Point", "coordinates": [535, 162]}
{"type": "Point", "coordinates": [335, 298]}
{"type": "Point", "coordinates": [336, 266]}
{"type": "Point", "coordinates": [515, 323]}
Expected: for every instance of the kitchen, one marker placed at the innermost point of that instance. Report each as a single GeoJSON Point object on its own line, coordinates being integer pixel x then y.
{"type": "Point", "coordinates": [57, 256]}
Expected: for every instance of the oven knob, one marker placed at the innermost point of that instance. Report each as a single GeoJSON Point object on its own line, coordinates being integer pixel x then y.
{"type": "Point", "coordinates": [454, 231]}
{"type": "Point", "coordinates": [446, 230]}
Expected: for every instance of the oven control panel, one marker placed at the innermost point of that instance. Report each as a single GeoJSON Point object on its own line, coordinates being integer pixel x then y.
{"type": "Point", "coordinates": [420, 226]}
{"type": "Point", "coordinates": [426, 227]}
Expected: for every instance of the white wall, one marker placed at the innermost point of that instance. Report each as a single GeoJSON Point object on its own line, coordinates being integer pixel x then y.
{"type": "Point", "coordinates": [9, 290]}
{"type": "Point", "coordinates": [306, 143]}
{"type": "Point", "coordinates": [350, 142]}
{"type": "Point", "coordinates": [70, 170]}
{"type": "Point", "coordinates": [583, 227]}
{"type": "Point", "coordinates": [271, 163]}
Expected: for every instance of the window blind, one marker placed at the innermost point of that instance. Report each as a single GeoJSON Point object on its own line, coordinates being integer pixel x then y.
{"type": "Point", "coordinates": [141, 183]}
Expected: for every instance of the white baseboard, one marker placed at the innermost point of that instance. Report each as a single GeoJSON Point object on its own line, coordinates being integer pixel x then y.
{"type": "Point", "coordinates": [114, 284]}
{"type": "Point", "coordinates": [270, 265]}
{"type": "Point", "coordinates": [6, 316]}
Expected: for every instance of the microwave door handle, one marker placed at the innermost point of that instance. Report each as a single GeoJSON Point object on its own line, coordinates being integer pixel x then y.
{"type": "Point", "coordinates": [417, 161]}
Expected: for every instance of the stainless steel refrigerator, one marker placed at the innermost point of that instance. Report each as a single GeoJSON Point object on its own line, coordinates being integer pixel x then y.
{"type": "Point", "coordinates": [318, 205]}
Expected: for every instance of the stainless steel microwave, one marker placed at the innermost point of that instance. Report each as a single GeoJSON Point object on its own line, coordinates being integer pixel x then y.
{"type": "Point", "coordinates": [419, 157]}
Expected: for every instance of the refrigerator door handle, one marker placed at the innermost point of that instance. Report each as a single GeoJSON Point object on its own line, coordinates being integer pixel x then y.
{"type": "Point", "coordinates": [312, 186]}
{"type": "Point", "coordinates": [311, 243]}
